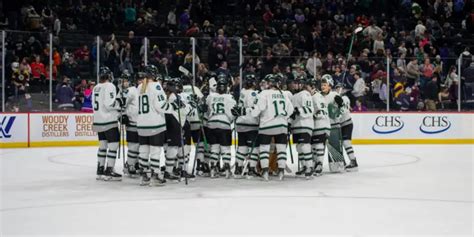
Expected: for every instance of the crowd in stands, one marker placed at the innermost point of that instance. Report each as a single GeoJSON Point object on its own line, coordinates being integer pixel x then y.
{"type": "Point", "coordinates": [297, 38]}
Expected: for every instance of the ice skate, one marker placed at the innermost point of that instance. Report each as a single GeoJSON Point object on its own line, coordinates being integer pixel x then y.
{"type": "Point", "coordinates": [157, 179]}
{"type": "Point", "coordinates": [281, 174]}
{"type": "Point", "coordinates": [110, 175]}
{"type": "Point", "coordinates": [318, 170]}
{"type": "Point", "coordinates": [352, 167]}
{"type": "Point", "coordinates": [100, 172]}
{"type": "Point", "coordinates": [265, 174]}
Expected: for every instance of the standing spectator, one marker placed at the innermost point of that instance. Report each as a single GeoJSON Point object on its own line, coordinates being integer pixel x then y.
{"type": "Point", "coordinates": [130, 15]}
{"type": "Point", "coordinates": [268, 15]}
{"type": "Point", "coordinates": [64, 95]}
{"type": "Point", "coordinates": [255, 47]}
{"type": "Point", "coordinates": [38, 73]}
{"type": "Point", "coordinates": [413, 72]}
{"type": "Point", "coordinates": [401, 63]}
{"type": "Point", "coordinates": [57, 26]}
{"type": "Point", "coordinates": [314, 63]}
{"type": "Point", "coordinates": [383, 95]}
{"type": "Point", "coordinates": [184, 20]}
{"type": "Point", "coordinates": [427, 70]}
{"type": "Point", "coordinates": [171, 19]}
{"type": "Point", "coordinates": [87, 98]}
{"type": "Point", "coordinates": [431, 94]}
{"type": "Point", "coordinates": [360, 89]}
{"type": "Point", "coordinates": [126, 58]}
{"type": "Point", "coordinates": [82, 54]}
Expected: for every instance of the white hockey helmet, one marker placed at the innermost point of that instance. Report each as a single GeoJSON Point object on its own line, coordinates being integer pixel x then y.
{"type": "Point", "coordinates": [326, 78]}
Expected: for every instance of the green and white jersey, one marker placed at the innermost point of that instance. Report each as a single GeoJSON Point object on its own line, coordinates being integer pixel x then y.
{"type": "Point", "coordinates": [345, 118]}
{"type": "Point", "coordinates": [175, 111]}
{"type": "Point", "coordinates": [322, 124]}
{"type": "Point", "coordinates": [219, 111]}
{"type": "Point", "coordinates": [152, 106]}
{"type": "Point", "coordinates": [333, 109]}
{"type": "Point", "coordinates": [131, 105]}
{"type": "Point", "coordinates": [193, 116]}
{"type": "Point", "coordinates": [303, 122]}
{"type": "Point", "coordinates": [273, 107]}
{"type": "Point", "coordinates": [247, 100]}
{"type": "Point", "coordinates": [106, 109]}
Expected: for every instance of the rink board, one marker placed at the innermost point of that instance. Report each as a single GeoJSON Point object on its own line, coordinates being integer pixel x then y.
{"type": "Point", "coordinates": [75, 129]}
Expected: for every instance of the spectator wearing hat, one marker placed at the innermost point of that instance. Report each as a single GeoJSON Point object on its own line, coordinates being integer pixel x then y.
{"type": "Point", "coordinates": [431, 93]}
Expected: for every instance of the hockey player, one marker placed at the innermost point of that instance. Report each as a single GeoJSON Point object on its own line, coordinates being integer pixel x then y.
{"type": "Point", "coordinates": [273, 109]}
{"type": "Point", "coordinates": [302, 125]}
{"type": "Point", "coordinates": [322, 125]}
{"type": "Point", "coordinates": [151, 126]}
{"type": "Point", "coordinates": [105, 123]}
{"type": "Point", "coordinates": [219, 123]}
{"type": "Point", "coordinates": [247, 126]}
{"type": "Point", "coordinates": [194, 96]}
{"type": "Point", "coordinates": [175, 121]}
{"type": "Point", "coordinates": [129, 102]}
{"type": "Point", "coordinates": [334, 103]}
{"type": "Point", "coordinates": [346, 128]}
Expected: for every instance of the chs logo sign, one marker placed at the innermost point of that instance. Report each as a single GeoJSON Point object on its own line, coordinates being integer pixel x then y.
{"type": "Point", "coordinates": [6, 126]}
{"type": "Point", "coordinates": [435, 124]}
{"type": "Point", "coordinates": [387, 124]}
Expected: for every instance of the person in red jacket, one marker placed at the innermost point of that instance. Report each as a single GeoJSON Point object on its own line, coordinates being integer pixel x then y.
{"type": "Point", "coordinates": [38, 75]}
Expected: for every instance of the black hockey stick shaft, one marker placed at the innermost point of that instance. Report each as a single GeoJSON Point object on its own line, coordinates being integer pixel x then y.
{"type": "Point", "coordinates": [183, 168]}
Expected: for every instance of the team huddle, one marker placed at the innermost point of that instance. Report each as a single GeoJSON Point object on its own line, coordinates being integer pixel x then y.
{"type": "Point", "coordinates": [169, 115]}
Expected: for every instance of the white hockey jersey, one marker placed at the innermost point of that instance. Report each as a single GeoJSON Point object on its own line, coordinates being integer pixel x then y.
{"type": "Point", "coordinates": [193, 116]}
{"type": "Point", "coordinates": [345, 118]}
{"type": "Point", "coordinates": [273, 108]}
{"type": "Point", "coordinates": [152, 106]}
{"type": "Point", "coordinates": [131, 106]}
{"type": "Point", "coordinates": [303, 123]}
{"type": "Point", "coordinates": [322, 124]}
{"type": "Point", "coordinates": [333, 109]}
{"type": "Point", "coordinates": [219, 111]}
{"type": "Point", "coordinates": [183, 112]}
{"type": "Point", "coordinates": [247, 100]}
{"type": "Point", "coordinates": [106, 108]}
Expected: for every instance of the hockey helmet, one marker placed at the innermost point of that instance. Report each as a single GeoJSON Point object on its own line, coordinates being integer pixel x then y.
{"type": "Point", "coordinates": [105, 73]}
{"type": "Point", "coordinates": [326, 78]}
{"type": "Point", "coordinates": [250, 80]}
{"type": "Point", "coordinates": [221, 84]}
{"type": "Point", "coordinates": [151, 71]}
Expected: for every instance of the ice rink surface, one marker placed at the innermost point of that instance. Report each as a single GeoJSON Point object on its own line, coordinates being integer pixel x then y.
{"type": "Point", "coordinates": [399, 190]}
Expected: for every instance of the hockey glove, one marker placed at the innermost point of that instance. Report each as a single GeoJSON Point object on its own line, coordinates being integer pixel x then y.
{"type": "Point", "coordinates": [121, 102]}
{"type": "Point", "coordinates": [339, 101]}
{"type": "Point", "coordinates": [124, 120]}
{"type": "Point", "coordinates": [179, 103]}
{"type": "Point", "coordinates": [202, 108]}
{"type": "Point", "coordinates": [236, 111]}
{"type": "Point", "coordinates": [295, 113]}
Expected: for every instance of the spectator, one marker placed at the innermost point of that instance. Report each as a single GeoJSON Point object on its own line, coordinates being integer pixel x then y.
{"type": "Point", "coordinates": [57, 26]}
{"type": "Point", "coordinates": [171, 19]}
{"type": "Point", "coordinates": [427, 70]}
{"type": "Point", "coordinates": [38, 72]}
{"type": "Point", "coordinates": [255, 47]}
{"type": "Point", "coordinates": [359, 107]}
{"type": "Point", "coordinates": [431, 94]}
{"type": "Point", "coordinates": [413, 72]}
{"type": "Point", "coordinates": [87, 98]}
{"type": "Point", "coordinates": [64, 95]}
{"type": "Point", "coordinates": [383, 95]}
{"type": "Point", "coordinates": [126, 58]}
{"type": "Point", "coordinates": [82, 54]}
{"type": "Point", "coordinates": [184, 20]}
{"type": "Point", "coordinates": [360, 89]}
{"type": "Point", "coordinates": [314, 64]}
{"type": "Point", "coordinates": [131, 15]}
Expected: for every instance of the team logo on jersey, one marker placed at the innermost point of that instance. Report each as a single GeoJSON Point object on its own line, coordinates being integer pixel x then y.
{"type": "Point", "coordinates": [6, 126]}
{"type": "Point", "coordinates": [387, 124]}
{"type": "Point", "coordinates": [158, 87]}
{"type": "Point", "coordinates": [435, 124]}
{"type": "Point", "coordinates": [254, 93]}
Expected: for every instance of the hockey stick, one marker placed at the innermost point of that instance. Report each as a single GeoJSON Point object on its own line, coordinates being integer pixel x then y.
{"type": "Point", "coordinates": [291, 149]}
{"type": "Point", "coordinates": [183, 168]}
{"type": "Point", "coordinates": [195, 154]}
{"type": "Point", "coordinates": [187, 73]}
